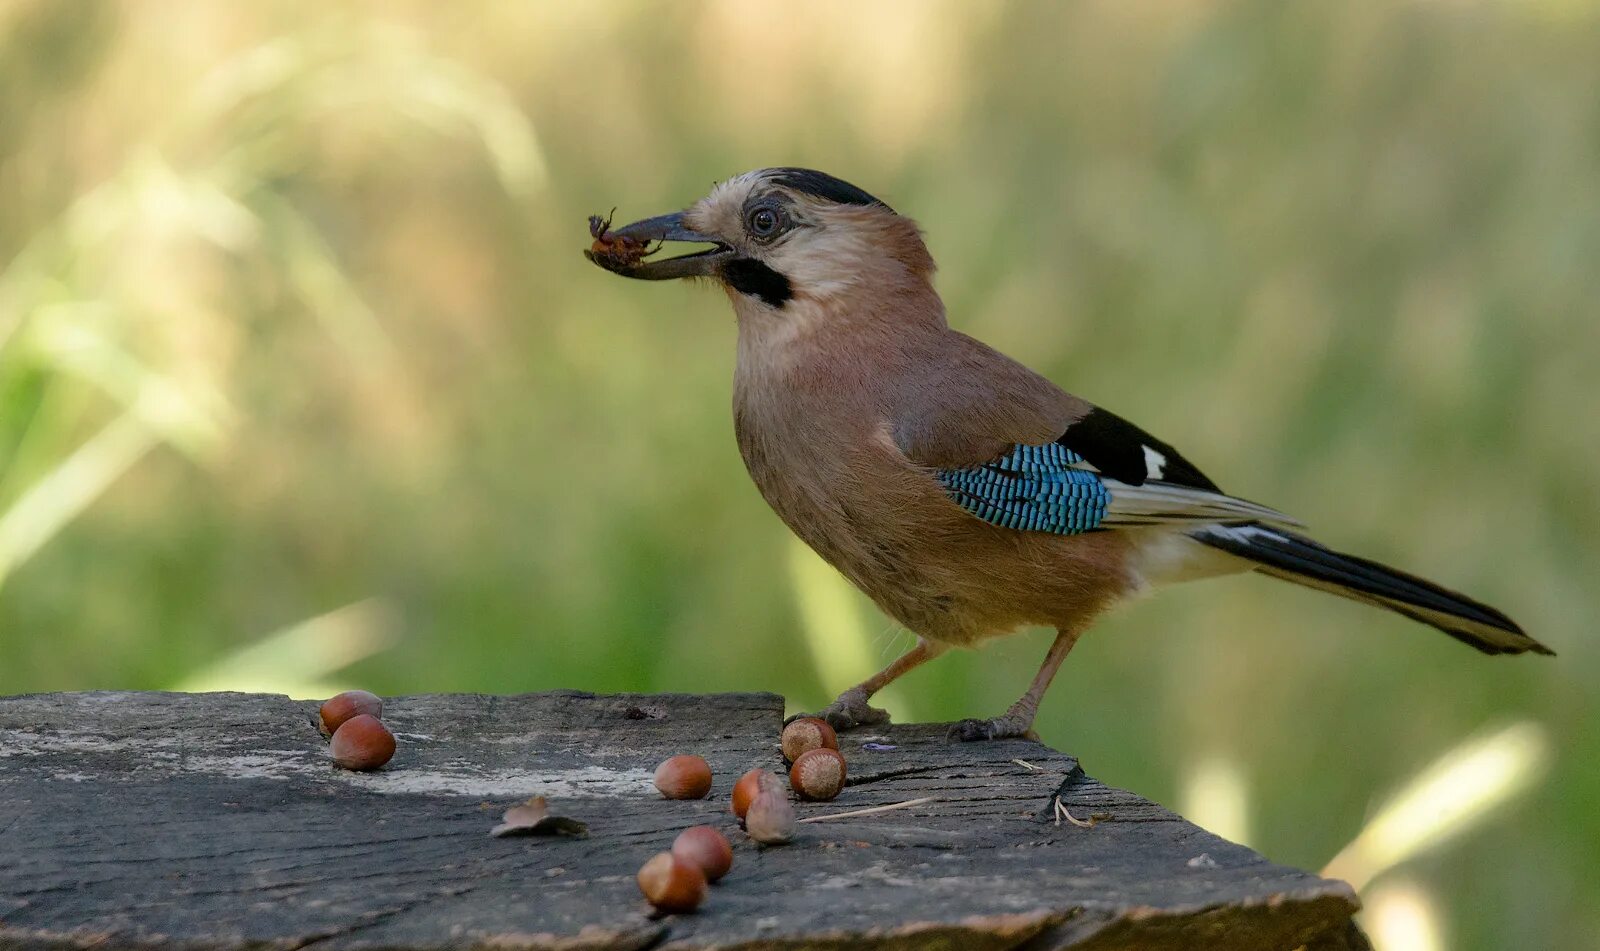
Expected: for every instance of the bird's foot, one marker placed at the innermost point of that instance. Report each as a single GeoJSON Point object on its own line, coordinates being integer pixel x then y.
{"type": "Point", "coordinates": [1014, 725]}
{"type": "Point", "coordinates": [851, 710]}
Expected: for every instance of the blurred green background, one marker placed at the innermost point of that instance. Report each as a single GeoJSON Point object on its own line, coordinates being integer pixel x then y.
{"type": "Point", "coordinates": [304, 382]}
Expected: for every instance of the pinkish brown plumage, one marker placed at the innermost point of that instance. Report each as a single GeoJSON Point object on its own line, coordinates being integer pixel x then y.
{"type": "Point", "coordinates": [965, 494]}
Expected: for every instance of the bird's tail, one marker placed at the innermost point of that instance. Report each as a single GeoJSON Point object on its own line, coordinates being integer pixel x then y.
{"type": "Point", "coordinates": [1292, 557]}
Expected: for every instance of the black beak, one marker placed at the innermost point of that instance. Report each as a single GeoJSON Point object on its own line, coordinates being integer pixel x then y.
{"type": "Point", "coordinates": [623, 250]}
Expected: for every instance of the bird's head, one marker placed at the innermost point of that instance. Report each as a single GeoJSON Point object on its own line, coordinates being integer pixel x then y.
{"type": "Point", "coordinates": [781, 238]}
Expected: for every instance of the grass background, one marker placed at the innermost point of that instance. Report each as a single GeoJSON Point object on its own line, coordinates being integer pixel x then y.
{"type": "Point", "coordinates": [304, 382]}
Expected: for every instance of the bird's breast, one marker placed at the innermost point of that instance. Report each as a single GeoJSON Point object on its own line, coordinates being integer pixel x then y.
{"type": "Point", "coordinates": [844, 488]}
{"type": "Point", "coordinates": [818, 468]}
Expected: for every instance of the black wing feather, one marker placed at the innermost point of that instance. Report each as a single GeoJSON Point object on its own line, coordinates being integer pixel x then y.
{"type": "Point", "coordinates": [1117, 448]}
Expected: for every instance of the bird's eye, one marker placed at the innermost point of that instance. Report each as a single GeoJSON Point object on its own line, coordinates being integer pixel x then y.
{"type": "Point", "coordinates": [764, 222]}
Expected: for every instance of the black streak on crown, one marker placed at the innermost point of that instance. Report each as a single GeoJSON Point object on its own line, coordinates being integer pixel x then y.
{"type": "Point", "coordinates": [749, 276]}
{"type": "Point", "coordinates": [822, 185]}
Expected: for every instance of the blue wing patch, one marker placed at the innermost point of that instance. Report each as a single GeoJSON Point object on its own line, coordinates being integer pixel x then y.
{"type": "Point", "coordinates": [1031, 488]}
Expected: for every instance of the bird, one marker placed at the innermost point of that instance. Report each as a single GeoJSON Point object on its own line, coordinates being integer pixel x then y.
{"type": "Point", "coordinates": [968, 496]}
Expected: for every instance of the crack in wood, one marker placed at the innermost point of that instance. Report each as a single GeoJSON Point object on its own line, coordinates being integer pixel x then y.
{"type": "Point", "coordinates": [372, 919]}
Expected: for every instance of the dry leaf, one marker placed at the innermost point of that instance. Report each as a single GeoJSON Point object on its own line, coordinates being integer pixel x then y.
{"type": "Point", "coordinates": [533, 818]}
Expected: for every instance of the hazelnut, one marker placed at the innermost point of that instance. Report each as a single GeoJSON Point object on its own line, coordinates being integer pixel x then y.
{"type": "Point", "coordinates": [818, 774]}
{"type": "Point", "coordinates": [672, 884]}
{"type": "Point", "coordinates": [807, 733]}
{"type": "Point", "coordinates": [771, 817]}
{"type": "Point", "coordinates": [349, 704]}
{"type": "Point", "coordinates": [362, 742]}
{"type": "Point", "coordinates": [684, 777]}
{"type": "Point", "coordinates": [745, 790]}
{"type": "Point", "coordinates": [705, 847]}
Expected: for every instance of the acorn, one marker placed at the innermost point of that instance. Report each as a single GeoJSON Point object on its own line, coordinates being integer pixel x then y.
{"type": "Point", "coordinates": [683, 777]}
{"type": "Point", "coordinates": [705, 847]}
{"type": "Point", "coordinates": [818, 774]}
{"type": "Point", "coordinates": [672, 884]}
{"type": "Point", "coordinates": [362, 743]}
{"type": "Point", "coordinates": [807, 733]}
{"type": "Point", "coordinates": [745, 790]}
{"type": "Point", "coordinates": [770, 820]}
{"type": "Point", "coordinates": [351, 703]}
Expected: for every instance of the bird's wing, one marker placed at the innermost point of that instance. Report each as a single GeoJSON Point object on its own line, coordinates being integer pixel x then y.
{"type": "Point", "coordinates": [1016, 451]}
{"type": "Point", "coordinates": [1051, 488]}
{"type": "Point", "coordinates": [1124, 452]}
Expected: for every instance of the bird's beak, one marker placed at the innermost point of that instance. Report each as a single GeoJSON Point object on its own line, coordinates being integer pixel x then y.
{"type": "Point", "coordinates": [623, 250]}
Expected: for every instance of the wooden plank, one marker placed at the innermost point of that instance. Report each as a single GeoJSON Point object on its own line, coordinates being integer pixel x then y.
{"type": "Point", "coordinates": [216, 821]}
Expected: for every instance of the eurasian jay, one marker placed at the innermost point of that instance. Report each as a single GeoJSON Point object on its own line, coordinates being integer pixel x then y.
{"type": "Point", "coordinates": [965, 494]}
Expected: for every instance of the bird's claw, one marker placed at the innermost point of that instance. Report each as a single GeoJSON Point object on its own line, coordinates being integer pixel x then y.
{"type": "Point", "coordinates": [1008, 727]}
{"type": "Point", "coordinates": [849, 711]}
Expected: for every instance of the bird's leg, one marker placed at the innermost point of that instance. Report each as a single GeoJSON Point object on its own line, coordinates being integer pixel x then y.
{"type": "Point", "coordinates": [1018, 721]}
{"type": "Point", "coordinates": [851, 708]}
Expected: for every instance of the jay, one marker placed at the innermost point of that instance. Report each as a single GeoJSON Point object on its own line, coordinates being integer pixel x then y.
{"type": "Point", "coordinates": [965, 494]}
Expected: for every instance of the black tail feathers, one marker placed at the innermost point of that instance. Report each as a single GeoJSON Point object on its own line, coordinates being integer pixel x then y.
{"type": "Point", "coordinates": [1296, 558]}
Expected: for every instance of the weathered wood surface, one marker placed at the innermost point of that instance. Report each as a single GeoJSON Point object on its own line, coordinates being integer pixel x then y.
{"type": "Point", "coordinates": [216, 821]}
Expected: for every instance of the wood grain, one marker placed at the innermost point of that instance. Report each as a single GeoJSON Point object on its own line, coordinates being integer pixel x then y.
{"type": "Point", "coordinates": [216, 821]}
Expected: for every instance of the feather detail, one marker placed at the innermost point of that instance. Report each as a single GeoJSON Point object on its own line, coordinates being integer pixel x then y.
{"type": "Point", "coordinates": [1051, 488]}
{"type": "Point", "coordinates": [1031, 488]}
{"type": "Point", "coordinates": [1301, 560]}
{"type": "Point", "coordinates": [1128, 454]}
{"type": "Point", "coordinates": [1155, 503]}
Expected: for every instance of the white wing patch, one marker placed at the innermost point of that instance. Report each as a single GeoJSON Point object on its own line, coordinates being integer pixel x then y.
{"type": "Point", "coordinates": [1154, 463]}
